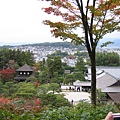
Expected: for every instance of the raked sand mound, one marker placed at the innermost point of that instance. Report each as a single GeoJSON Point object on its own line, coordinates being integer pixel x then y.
{"type": "Point", "coordinates": [76, 96]}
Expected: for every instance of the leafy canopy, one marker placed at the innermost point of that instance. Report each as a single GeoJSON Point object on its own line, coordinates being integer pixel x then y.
{"type": "Point", "coordinates": [96, 17]}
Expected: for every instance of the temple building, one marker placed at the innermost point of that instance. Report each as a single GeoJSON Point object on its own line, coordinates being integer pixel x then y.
{"type": "Point", "coordinates": [23, 73]}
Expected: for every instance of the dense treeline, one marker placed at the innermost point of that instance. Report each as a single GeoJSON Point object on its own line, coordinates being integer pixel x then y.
{"type": "Point", "coordinates": [107, 59]}
{"type": "Point", "coordinates": [32, 100]}
{"type": "Point", "coordinates": [59, 53]}
{"type": "Point", "coordinates": [26, 101]}
{"type": "Point", "coordinates": [53, 70]}
{"type": "Point", "coordinates": [15, 58]}
{"type": "Point", "coordinates": [58, 44]}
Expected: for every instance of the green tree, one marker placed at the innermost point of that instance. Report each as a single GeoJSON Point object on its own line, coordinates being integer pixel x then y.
{"type": "Point", "coordinates": [69, 79]}
{"type": "Point", "coordinates": [93, 18]}
{"type": "Point", "coordinates": [80, 65]}
{"type": "Point", "coordinates": [54, 101]}
{"type": "Point", "coordinates": [43, 89]}
{"type": "Point", "coordinates": [3, 89]}
{"type": "Point", "coordinates": [79, 75]}
{"type": "Point", "coordinates": [66, 67]}
{"type": "Point", "coordinates": [55, 78]}
{"type": "Point", "coordinates": [29, 59]}
{"type": "Point", "coordinates": [83, 54]}
{"type": "Point", "coordinates": [42, 65]}
{"type": "Point", "coordinates": [31, 79]}
{"type": "Point", "coordinates": [50, 67]}
{"type": "Point", "coordinates": [60, 80]}
{"type": "Point", "coordinates": [59, 53]}
{"type": "Point", "coordinates": [80, 69]}
{"type": "Point", "coordinates": [26, 90]}
{"type": "Point", "coordinates": [54, 65]}
{"type": "Point", "coordinates": [43, 77]}
{"type": "Point", "coordinates": [101, 97]}
{"type": "Point", "coordinates": [107, 59]}
{"type": "Point", "coordinates": [4, 57]}
{"type": "Point", "coordinates": [54, 87]}
{"type": "Point", "coordinates": [9, 86]}
{"type": "Point", "coordinates": [57, 66]}
{"type": "Point", "coordinates": [12, 58]}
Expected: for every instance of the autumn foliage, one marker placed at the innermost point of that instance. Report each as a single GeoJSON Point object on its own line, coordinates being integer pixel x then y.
{"type": "Point", "coordinates": [104, 15]}
{"type": "Point", "coordinates": [4, 100]}
{"type": "Point", "coordinates": [14, 105]}
{"type": "Point", "coordinates": [36, 84]}
{"type": "Point", "coordinates": [7, 74]}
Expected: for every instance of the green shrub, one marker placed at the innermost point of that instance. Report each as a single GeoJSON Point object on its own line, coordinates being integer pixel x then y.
{"type": "Point", "coordinates": [84, 111]}
{"type": "Point", "coordinates": [53, 100]}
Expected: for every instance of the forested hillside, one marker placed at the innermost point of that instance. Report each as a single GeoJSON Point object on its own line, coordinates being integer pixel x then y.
{"type": "Point", "coordinates": [53, 44]}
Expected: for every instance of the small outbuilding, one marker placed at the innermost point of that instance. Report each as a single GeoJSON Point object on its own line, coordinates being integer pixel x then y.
{"type": "Point", "coordinates": [82, 85]}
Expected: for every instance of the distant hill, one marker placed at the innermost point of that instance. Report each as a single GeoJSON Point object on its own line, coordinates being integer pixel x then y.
{"type": "Point", "coordinates": [115, 44]}
{"type": "Point", "coordinates": [53, 44]}
{"type": "Point", "coordinates": [58, 44]}
{"type": "Point", "coordinates": [64, 44]}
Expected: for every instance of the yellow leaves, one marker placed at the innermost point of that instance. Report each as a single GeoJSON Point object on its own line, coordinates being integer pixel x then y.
{"type": "Point", "coordinates": [57, 3]}
{"type": "Point", "coordinates": [91, 8]}
{"type": "Point", "coordinates": [62, 26]}
{"type": "Point", "coordinates": [74, 25]}
{"type": "Point", "coordinates": [64, 30]}
{"type": "Point", "coordinates": [108, 20]}
{"type": "Point", "coordinates": [58, 27]}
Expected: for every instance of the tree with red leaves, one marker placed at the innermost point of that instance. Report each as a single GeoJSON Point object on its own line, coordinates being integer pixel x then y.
{"type": "Point", "coordinates": [36, 84]}
{"type": "Point", "coordinates": [7, 74]}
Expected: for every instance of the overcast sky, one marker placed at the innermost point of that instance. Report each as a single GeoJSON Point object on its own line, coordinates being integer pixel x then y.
{"type": "Point", "coordinates": [21, 21]}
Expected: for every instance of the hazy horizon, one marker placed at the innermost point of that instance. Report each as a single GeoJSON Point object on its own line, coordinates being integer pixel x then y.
{"type": "Point", "coordinates": [21, 23]}
{"type": "Point", "coordinates": [115, 40]}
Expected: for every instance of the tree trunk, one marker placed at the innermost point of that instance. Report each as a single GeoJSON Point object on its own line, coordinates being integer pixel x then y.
{"type": "Point", "coordinates": [93, 78]}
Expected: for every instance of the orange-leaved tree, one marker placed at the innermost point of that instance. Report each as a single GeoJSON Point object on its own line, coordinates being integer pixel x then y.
{"type": "Point", "coordinates": [84, 22]}
{"type": "Point", "coordinates": [7, 74]}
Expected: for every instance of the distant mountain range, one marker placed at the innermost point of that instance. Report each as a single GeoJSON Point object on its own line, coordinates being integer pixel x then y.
{"type": "Point", "coordinates": [115, 44]}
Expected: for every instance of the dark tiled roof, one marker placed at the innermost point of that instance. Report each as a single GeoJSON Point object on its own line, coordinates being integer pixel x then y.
{"type": "Point", "coordinates": [117, 83]}
{"type": "Point", "coordinates": [115, 97]}
{"type": "Point", "coordinates": [25, 68]}
{"type": "Point", "coordinates": [111, 89]}
{"type": "Point", "coordinates": [105, 81]}
{"type": "Point", "coordinates": [114, 71]}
